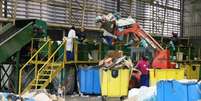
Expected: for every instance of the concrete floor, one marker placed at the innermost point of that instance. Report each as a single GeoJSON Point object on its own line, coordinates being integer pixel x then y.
{"type": "Point", "coordinates": [88, 98]}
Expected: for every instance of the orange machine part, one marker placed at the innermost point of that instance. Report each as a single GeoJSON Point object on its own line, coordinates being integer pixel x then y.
{"type": "Point", "coordinates": [140, 33]}
{"type": "Point", "coordinates": [162, 60]}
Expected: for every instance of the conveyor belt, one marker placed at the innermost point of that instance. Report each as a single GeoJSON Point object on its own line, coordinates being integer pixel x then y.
{"type": "Point", "coordinates": [8, 33]}
{"type": "Point", "coordinates": [13, 39]}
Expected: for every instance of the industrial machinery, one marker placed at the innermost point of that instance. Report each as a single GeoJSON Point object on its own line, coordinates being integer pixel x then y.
{"type": "Point", "coordinates": [126, 26]}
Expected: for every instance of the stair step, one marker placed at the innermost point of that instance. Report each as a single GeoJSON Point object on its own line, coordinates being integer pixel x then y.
{"type": "Point", "coordinates": [49, 70]}
{"type": "Point", "coordinates": [37, 84]}
{"type": "Point", "coordinates": [44, 74]}
{"type": "Point", "coordinates": [43, 62]}
{"type": "Point", "coordinates": [42, 79]}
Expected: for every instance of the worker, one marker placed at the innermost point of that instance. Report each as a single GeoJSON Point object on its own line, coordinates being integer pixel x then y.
{"type": "Point", "coordinates": [69, 44]}
{"type": "Point", "coordinates": [172, 49]}
{"type": "Point", "coordinates": [143, 66]}
{"type": "Point", "coordinates": [171, 45]}
{"type": "Point", "coordinates": [107, 37]}
{"type": "Point", "coordinates": [81, 35]}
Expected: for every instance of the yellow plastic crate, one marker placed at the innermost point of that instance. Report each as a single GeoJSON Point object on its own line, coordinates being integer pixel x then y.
{"type": "Point", "coordinates": [192, 71]}
{"type": "Point", "coordinates": [181, 65]}
{"type": "Point", "coordinates": [165, 74]}
{"type": "Point", "coordinates": [115, 86]}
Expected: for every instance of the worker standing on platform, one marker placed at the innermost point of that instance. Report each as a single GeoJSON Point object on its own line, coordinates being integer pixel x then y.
{"type": "Point", "coordinates": [81, 35]}
{"type": "Point", "coordinates": [69, 44]}
{"type": "Point", "coordinates": [171, 45]}
{"type": "Point", "coordinates": [143, 66]}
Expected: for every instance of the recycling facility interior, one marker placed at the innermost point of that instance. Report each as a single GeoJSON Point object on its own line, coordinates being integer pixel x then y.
{"type": "Point", "coordinates": [107, 46]}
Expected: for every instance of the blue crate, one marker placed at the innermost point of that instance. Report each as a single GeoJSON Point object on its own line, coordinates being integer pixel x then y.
{"type": "Point", "coordinates": [88, 80]}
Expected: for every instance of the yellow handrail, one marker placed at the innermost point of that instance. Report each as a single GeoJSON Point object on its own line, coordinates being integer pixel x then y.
{"type": "Point", "coordinates": [20, 74]}
{"type": "Point", "coordinates": [51, 57]}
{"type": "Point", "coordinates": [32, 43]}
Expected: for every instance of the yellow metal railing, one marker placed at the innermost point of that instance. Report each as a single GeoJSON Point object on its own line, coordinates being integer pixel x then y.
{"type": "Point", "coordinates": [51, 57]}
{"type": "Point", "coordinates": [76, 53]}
{"type": "Point", "coordinates": [34, 57]}
{"type": "Point", "coordinates": [35, 45]}
{"type": "Point", "coordinates": [51, 61]}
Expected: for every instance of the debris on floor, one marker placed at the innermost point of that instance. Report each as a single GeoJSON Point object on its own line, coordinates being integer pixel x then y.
{"type": "Point", "coordinates": [43, 95]}
{"type": "Point", "coordinates": [38, 95]}
{"type": "Point", "coordinates": [13, 97]}
{"type": "Point", "coordinates": [142, 94]}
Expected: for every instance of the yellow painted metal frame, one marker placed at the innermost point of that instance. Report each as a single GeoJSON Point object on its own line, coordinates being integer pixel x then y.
{"type": "Point", "coordinates": [40, 40]}
{"type": "Point", "coordinates": [27, 63]}
{"type": "Point", "coordinates": [45, 66]}
{"type": "Point", "coordinates": [75, 45]}
{"type": "Point", "coordinates": [50, 62]}
{"type": "Point", "coordinates": [49, 59]}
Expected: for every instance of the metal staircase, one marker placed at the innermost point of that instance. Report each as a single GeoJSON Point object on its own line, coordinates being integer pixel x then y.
{"type": "Point", "coordinates": [42, 69]}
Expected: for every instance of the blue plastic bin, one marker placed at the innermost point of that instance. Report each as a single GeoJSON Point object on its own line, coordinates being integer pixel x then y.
{"type": "Point", "coordinates": [88, 79]}
{"type": "Point", "coordinates": [194, 91]}
{"type": "Point", "coordinates": [171, 90]}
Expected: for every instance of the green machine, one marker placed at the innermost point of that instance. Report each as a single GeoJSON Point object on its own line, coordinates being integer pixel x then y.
{"type": "Point", "coordinates": [12, 39]}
